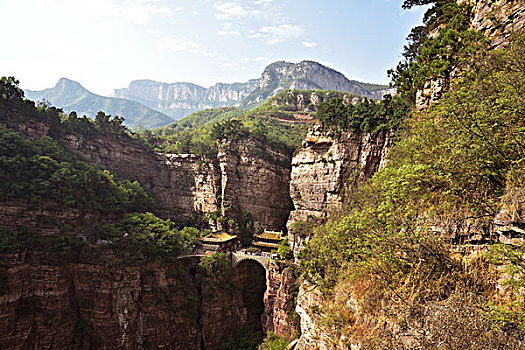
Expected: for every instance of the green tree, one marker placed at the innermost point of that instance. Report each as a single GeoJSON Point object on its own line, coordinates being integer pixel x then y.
{"type": "Point", "coordinates": [10, 90]}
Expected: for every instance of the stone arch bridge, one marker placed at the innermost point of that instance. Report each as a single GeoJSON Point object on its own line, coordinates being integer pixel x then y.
{"type": "Point", "coordinates": [237, 257]}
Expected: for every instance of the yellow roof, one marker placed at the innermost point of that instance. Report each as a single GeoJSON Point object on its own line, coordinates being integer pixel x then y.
{"type": "Point", "coordinates": [217, 237]}
{"type": "Point", "coordinates": [272, 235]}
{"type": "Point", "coordinates": [264, 244]}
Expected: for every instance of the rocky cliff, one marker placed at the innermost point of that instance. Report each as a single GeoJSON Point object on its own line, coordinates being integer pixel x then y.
{"type": "Point", "coordinates": [182, 183]}
{"type": "Point", "coordinates": [280, 299]}
{"type": "Point", "coordinates": [249, 177]}
{"type": "Point", "coordinates": [327, 166]}
{"type": "Point", "coordinates": [496, 19]}
{"type": "Point", "coordinates": [181, 99]}
{"type": "Point", "coordinates": [255, 179]}
{"type": "Point", "coordinates": [89, 303]}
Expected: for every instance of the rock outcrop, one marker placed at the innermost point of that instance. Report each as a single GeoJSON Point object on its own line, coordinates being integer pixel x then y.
{"type": "Point", "coordinates": [326, 166]}
{"type": "Point", "coordinates": [280, 300]}
{"type": "Point", "coordinates": [255, 179]}
{"type": "Point", "coordinates": [322, 170]}
{"type": "Point", "coordinates": [497, 19]}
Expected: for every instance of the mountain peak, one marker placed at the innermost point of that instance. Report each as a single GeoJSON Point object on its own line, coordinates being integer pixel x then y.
{"type": "Point", "coordinates": [68, 84]}
{"type": "Point", "coordinates": [305, 75]}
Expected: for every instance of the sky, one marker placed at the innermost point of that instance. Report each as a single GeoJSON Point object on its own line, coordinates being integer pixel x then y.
{"type": "Point", "coordinates": [105, 44]}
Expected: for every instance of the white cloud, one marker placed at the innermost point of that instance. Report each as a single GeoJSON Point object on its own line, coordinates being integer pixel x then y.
{"type": "Point", "coordinates": [309, 44]}
{"type": "Point", "coordinates": [117, 12]}
{"type": "Point", "coordinates": [229, 10]}
{"type": "Point", "coordinates": [277, 34]}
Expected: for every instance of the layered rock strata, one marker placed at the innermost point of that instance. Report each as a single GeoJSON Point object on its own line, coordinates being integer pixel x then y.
{"type": "Point", "coordinates": [279, 300]}
{"type": "Point", "coordinates": [326, 166]}
{"type": "Point", "coordinates": [255, 179]}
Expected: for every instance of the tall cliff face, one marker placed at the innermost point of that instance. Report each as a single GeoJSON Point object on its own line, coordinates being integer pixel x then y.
{"type": "Point", "coordinates": [325, 166]}
{"type": "Point", "coordinates": [322, 170]}
{"type": "Point", "coordinates": [255, 179]}
{"type": "Point", "coordinates": [182, 183]}
{"type": "Point", "coordinates": [497, 19]}
{"type": "Point", "coordinates": [181, 99]}
{"type": "Point", "coordinates": [279, 300]}
{"type": "Point", "coordinates": [89, 303]}
{"type": "Point", "coordinates": [249, 177]}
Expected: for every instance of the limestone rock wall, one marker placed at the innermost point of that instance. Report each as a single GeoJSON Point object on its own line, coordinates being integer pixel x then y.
{"type": "Point", "coordinates": [89, 303]}
{"type": "Point", "coordinates": [255, 179]}
{"type": "Point", "coordinates": [182, 183]}
{"type": "Point", "coordinates": [325, 166]}
{"type": "Point", "coordinates": [279, 300]}
{"type": "Point", "coordinates": [497, 19]}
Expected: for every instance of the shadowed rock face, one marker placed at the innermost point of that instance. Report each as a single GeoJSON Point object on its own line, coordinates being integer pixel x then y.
{"type": "Point", "coordinates": [88, 303]}
{"type": "Point", "coordinates": [255, 179]}
{"type": "Point", "coordinates": [251, 279]}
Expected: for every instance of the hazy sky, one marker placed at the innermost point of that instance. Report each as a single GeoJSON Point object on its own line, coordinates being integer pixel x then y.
{"type": "Point", "coordinates": [104, 44]}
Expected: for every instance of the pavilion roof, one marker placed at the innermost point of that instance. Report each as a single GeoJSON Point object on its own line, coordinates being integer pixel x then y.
{"type": "Point", "coordinates": [270, 235]}
{"type": "Point", "coordinates": [217, 237]}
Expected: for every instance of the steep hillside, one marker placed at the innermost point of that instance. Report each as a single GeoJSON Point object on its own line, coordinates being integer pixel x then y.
{"type": "Point", "coordinates": [423, 254]}
{"type": "Point", "coordinates": [71, 96]}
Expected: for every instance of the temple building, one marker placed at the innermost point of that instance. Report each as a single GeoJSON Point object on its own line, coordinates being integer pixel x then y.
{"type": "Point", "coordinates": [268, 241]}
{"type": "Point", "coordinates": [219, 242]}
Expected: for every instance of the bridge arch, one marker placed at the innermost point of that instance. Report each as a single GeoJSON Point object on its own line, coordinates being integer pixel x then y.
{"type": "Point", "coordinates": [238, 257]}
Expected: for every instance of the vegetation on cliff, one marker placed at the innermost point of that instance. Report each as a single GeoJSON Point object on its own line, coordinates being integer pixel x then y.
{"type": "Point", "coordinates": [40, 170]}
{"type": "Point", "coordinates": [385, 259]}
{"type": "Point", "coordinates": [45, 173]}
{"type": "Point", "coordinates": [138, 238]}
{"type": "Point", "coordinates": [437, 49]}
{"type": "Point", "coordinates": [365, 116]}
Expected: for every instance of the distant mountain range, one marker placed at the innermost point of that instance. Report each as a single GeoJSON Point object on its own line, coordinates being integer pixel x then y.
{"type": "Point", "coordinates": [181, 99]}
{"type": "Point", "coordinates": [148, 103]}
{"type": "Point", "coordinates": [71, 96]}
